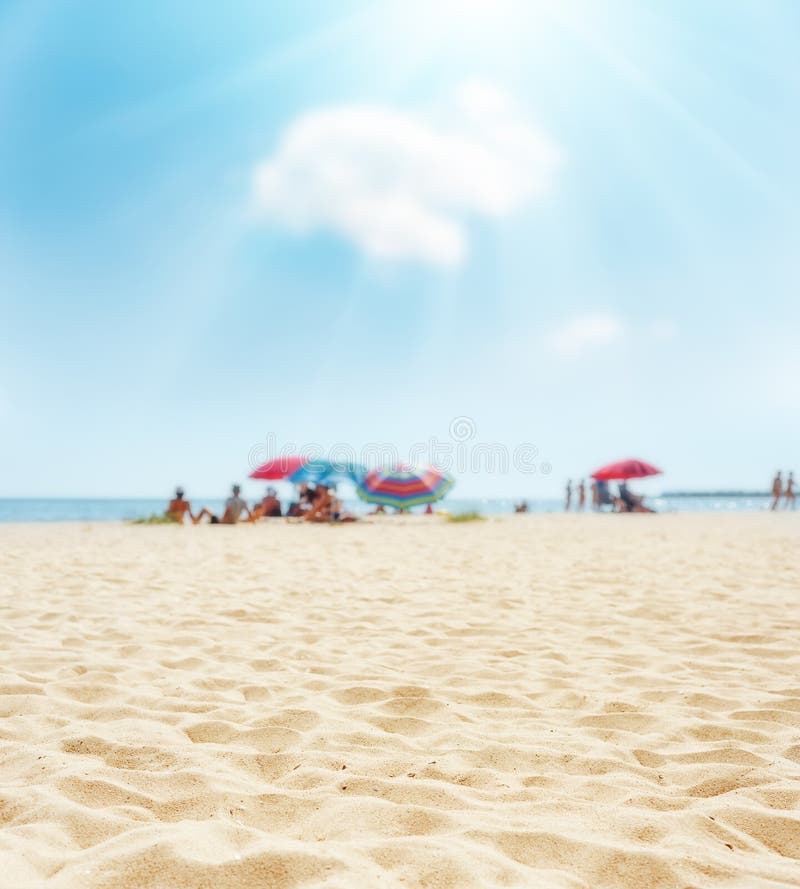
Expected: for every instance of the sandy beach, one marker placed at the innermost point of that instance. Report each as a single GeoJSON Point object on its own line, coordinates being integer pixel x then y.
{"type": "Point", "coordinates": [531, 701]}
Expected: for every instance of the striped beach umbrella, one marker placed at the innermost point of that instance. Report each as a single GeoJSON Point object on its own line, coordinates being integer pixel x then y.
{"type": "Point", "coordinates": [404, 486]}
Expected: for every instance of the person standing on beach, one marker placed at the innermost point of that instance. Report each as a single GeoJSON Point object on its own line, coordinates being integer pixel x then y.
{"type": "Point", "coordinates": [581, 496]}
{"type": "Point", "coordinates": [568, 501]}
{"type": "Point", "coordinates": [178, 508]}
{"type": "Point", "coordinates": [595, 496]}
{"type": "Point", "coordinates": [777, 489]}
{"type": "Point", "coordinates": [789, 493]}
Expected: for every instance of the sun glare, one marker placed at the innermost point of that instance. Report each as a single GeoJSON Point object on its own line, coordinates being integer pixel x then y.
{"type": "Point", "coordinates": [469, 18]}
{"type": "Point", "coordinates": [493, 26]}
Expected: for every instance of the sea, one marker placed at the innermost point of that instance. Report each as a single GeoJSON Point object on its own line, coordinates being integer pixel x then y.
{"type": "Point", "coordinates": [116, 510]}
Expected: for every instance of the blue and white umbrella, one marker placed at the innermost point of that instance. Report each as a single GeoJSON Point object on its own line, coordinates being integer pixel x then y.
{"type": "Point", "coordinates": [327, 472]}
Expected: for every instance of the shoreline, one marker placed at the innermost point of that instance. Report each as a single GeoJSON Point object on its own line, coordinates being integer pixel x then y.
{"type": "Point", "coordinates": [440, 514]}
{"type": "Point", "coordinates": [390, 519]}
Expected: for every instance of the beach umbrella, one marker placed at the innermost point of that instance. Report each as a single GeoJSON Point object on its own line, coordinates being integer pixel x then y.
{"type": "Point", "coordinates": [625, 469]}
{"type": "Point", "coordinates": [404, 486]}
{"type": "Point", "coordinates": [280, 467]}
{"type": "Point", "coordinates": [326, 472]}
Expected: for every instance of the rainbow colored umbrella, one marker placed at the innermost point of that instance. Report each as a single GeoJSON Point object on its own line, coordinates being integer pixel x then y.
{"type": "Point", "coordinates": [404, 487]}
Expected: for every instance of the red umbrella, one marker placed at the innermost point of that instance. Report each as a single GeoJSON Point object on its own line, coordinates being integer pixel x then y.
{"type": "Point", "coordinates": [280, 467]}
{"type": "Point", "coordinates": [625, 469]}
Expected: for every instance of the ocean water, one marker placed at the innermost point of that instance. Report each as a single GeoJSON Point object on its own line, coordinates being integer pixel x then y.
{"type": "Point", "coordinates": [110, 510]}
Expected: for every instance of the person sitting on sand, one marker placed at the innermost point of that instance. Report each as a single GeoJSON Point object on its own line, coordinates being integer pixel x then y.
{"type": "Point", "coordinates": [338, 512]}
{"type": "Point", "coordinates": [380, 509]}
{"type": "Point", "coordinates": [234, 507]}
{"type": "Point", "coordinates": [178, 508]}
{"type": "Point", "coordinates": [630, 502]}
{"type": "Point", "coordinates": [322, 506]}
{"type": "Point", "coordinates": [297, 509]}
{"type": "Point", "coordinates": [522, 506]}
{"type": "Point", "coordinates": [604, 497]}
{"type": "Point", "coordinates": [270, 505]}
{"type": "Point", "coordinates": [626, 500]}
{"type": "Point", "coordinates": [265, 508]}
{"type": "Point", "coordinates": [777, 489]}
{"type": "Point", "coordinates": [305, 499]}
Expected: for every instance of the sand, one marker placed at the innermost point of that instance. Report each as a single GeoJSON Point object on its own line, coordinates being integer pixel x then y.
{"type": "Point", "coordinates": [532, 701]}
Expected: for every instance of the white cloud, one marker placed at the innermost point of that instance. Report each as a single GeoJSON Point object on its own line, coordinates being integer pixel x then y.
{"type": "Point", "coordinates": [400, 185]}
{"type": "Point", "coordinates": [586, 332]}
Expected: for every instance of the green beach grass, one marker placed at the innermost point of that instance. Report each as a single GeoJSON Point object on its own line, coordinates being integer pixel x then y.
{"type": "Point", "coordinates": [466, 517]}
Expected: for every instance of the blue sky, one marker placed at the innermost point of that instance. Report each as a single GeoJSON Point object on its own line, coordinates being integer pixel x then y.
{"type": "Point", "coordinates": [574, 223]}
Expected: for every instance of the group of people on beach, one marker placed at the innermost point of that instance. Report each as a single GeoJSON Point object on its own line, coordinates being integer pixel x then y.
{"type": "Point", "coordinates": [314, 504]}
{"type": "Point", "coordinates": [779, 490]}
{"type": "Point", "coordinates": [625, 501]}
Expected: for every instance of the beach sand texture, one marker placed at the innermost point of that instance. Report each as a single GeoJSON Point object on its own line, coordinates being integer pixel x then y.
{"type": "Point", "coordinates": [530, 701]}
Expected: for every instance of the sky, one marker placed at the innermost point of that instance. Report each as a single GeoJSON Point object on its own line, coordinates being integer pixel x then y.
{"type": "Point", "coordinates": [556, 233]}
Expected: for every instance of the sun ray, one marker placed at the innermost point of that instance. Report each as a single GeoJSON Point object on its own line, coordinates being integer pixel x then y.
{"type": "Point", "coordinates": [602, 47]}
{"type": "Point", "coordinates": [214, 89]}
